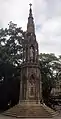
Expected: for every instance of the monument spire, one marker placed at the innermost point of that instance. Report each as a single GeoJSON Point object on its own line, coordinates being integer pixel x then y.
{"type": "Point", "coordinates": [30, 14]}
{"type": "Point", "coordinates": [30, 25]}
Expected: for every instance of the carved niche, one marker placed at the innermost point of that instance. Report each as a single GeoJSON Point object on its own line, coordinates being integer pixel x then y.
{"type": "Point", "coordinates": [32, 54]}
{"type": "Point", "coordinates": [32, 87]}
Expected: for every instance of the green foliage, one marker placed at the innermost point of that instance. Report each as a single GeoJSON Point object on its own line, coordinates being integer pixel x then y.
{"type": "Point", "coordinates": [50, 67]}
{"type": "Point", "coordinates": [11, 44]}
{"type": "Point", "coordinates": [11, 40]}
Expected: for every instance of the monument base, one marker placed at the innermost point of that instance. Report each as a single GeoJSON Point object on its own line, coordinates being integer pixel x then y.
{"type": "Point", "coordinates": [29, 102]}
{"type": "Point", "coordinates": [30, 110]}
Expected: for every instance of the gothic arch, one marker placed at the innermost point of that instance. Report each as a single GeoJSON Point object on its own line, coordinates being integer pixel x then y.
{"type": "Point", "coordinates": [32, 79]}
{"type": "Point", "coordinates": [32, 86]}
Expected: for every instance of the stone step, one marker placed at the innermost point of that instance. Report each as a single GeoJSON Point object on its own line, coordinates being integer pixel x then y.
{"type": "Point", "coordinates": [36, 110]}
{"type": "Point", "coordinates": [53, 112]}
{"type": "Point", "coordinates": [30, 102]}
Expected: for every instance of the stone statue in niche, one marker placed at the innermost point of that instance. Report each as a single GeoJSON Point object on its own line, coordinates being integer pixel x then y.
{"type": "Point", "coordinates": [31, 53]}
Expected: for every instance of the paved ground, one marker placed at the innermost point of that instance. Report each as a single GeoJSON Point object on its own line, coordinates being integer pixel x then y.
{"type": "Point", "coordinates": [7, 117]}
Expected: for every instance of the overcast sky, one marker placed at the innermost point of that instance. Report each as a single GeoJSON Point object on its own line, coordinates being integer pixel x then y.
{"type": "Point", "coordinates": [47, 18]}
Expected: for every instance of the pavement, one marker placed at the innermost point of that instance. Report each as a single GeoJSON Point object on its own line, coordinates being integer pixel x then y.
{"type": "Point", "coordinates": [8, 117]}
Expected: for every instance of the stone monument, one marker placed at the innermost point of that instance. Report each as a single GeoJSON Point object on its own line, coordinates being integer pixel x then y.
{"type": "Point", "coordinates": [30, 81]}
{"type": "Point", "coordinates": [30, 99]}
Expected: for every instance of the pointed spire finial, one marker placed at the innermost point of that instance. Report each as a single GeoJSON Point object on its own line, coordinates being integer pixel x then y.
{"type": "Point", "coordinates": [30, 5]}
{"type": "Point", "coordinates": [30, 14]}
{"type": "Point", "coordinates": [30, 25]}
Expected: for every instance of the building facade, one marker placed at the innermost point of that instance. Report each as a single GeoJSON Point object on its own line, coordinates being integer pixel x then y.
{"type": "Point", "coordinates": [56, 91]}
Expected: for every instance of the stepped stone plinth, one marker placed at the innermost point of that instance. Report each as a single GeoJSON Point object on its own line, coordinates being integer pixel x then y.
{"type": "Point", "coordinates": [28, 110]}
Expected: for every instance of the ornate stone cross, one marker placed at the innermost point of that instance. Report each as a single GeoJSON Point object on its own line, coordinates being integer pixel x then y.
{"type": "Point", "coordinates": [30, 5]}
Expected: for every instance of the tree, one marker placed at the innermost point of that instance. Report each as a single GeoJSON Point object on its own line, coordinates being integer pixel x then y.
{"type": "Point", "coordinates": [48, 68]}
{"type": "Point", "coordinates": [11, 44]}
{"type": "Point", "coordinates": [10, 59]}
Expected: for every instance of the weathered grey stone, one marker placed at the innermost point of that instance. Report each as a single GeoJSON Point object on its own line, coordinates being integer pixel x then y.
{"type": "Point", "coordinates": [30, 84]}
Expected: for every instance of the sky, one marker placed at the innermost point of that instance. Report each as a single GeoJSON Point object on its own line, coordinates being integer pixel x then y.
{"type": "Point", "coordinates": [47, 18]}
